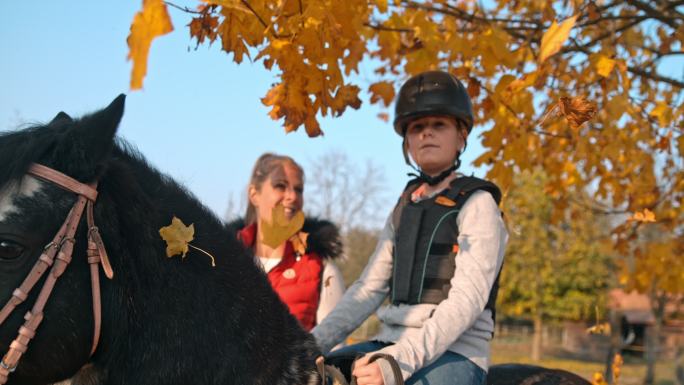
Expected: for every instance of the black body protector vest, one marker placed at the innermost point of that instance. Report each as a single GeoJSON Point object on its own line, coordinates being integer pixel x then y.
{"type": "Point", "coordinates": [426, 242]}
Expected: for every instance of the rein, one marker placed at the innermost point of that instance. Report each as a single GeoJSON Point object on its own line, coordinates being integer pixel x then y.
{"type": "Point", "coordinates": [56, 256]}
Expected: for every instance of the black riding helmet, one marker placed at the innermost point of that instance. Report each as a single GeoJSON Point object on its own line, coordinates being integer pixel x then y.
{"type": "Point", "coordinates": [432, 93]}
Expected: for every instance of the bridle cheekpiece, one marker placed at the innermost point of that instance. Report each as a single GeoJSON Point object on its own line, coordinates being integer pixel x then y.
{"type": "Point", "coordinates": [56, 256]}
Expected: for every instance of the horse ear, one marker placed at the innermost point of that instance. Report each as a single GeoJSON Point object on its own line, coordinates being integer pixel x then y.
{"type": "Point", "coordinates": [87, 142]}
{"type": "Point", "coordinates": [61, 117]}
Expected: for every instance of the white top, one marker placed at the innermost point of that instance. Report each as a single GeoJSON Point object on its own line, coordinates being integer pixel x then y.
{"type": "Point", "coordinates": [422, 333]}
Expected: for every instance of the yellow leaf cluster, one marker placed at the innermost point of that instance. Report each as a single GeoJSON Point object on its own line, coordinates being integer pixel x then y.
{"type": "Point", "coordinates": [523, 62]}
{"type": "Point", "coordinates": [646, 216]}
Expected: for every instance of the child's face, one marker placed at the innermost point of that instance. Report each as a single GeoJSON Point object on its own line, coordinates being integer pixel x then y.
{"type": "Point", "coordinates": [433, 142]}
{"type": "Point", "coordinates": [284, 186]}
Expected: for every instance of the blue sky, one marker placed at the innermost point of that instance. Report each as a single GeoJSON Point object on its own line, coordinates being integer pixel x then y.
{"type": "Point", "coordinates": [199, 116]}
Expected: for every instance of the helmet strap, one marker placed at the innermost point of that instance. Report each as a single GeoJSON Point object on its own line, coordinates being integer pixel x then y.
{"type": "Point", "coordinates": [432, 180]}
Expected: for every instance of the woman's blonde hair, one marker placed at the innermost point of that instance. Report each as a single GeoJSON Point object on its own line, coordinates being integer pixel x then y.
{"type": "Point", "coordinates": [263, 168]}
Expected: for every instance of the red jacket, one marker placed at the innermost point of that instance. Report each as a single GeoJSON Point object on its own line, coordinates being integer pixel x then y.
{"type": "Point", "coordinates": [296, 279]}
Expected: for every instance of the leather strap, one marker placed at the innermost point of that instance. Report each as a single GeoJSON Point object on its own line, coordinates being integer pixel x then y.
{"type": "Point", "coordinates": [64, 181]}
{"type": "Point", "coordinates": [398, 378]}
{"type": "Point", "coordinates": [57, 256]}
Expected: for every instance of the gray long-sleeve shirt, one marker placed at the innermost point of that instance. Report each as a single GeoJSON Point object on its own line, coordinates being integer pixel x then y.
{"type": "Point", "coordinates": [422, 333]}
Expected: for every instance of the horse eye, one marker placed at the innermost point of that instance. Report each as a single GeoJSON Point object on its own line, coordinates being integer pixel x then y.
{"type": "Point", "coordinates": [10, 250]}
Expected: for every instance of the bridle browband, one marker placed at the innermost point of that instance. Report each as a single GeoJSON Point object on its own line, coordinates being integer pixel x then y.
{"type": "Point", "coordinates": [57, 255]}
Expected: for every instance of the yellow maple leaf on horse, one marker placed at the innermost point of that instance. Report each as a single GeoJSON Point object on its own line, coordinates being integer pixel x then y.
{"type": "Point", "coordinates": [178, 237]}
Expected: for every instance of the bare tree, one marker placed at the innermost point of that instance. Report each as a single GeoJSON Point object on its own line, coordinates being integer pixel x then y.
{"type": "Point", "coordinates": [235, 208]}
{"type": "Point", "coordinates": [341, 191]}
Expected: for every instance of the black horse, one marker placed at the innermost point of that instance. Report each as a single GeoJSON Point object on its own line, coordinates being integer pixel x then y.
{"type": "Point", "coordinates": [164, 320]}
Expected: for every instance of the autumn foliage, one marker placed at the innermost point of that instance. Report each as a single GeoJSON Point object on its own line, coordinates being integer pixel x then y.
{"type": "Point", "coordinates": [574, 87]}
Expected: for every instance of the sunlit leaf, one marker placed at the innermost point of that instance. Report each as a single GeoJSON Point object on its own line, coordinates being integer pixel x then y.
{"type": "Point", "coordinates": [554, 37]}
{"type": "Point", "coordinates": [153, 21]}
{"type": "Point", "coordinates": [604, 66]}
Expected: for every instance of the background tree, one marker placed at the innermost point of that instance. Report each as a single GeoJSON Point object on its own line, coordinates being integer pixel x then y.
{"type": "Point", "coordinates": [350, 195]}
{"type": "Point", "coordinates": [552, 271]}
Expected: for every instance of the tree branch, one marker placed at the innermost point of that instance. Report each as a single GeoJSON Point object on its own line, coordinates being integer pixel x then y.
{"type": "Point", "coordinates": [184, 9]}
{"type": "Point", "coordinates": [470, 18]}
{"type": "Point", "coordinates": [655, 76]}
{"type": "Point", "coordinates": [654, 13]}
{"type": "Point", "coordinates": [380, 27]}
{"type": "Point", "coordinates": [605, 35]}
{"type": "Point", "coordinates": [249, 6]}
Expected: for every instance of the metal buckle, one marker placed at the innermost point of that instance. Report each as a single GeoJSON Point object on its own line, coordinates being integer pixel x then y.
{"type": "Point", "coordinates": [49, 245]}
{"type": "Point", "coordinates": [7, 367]}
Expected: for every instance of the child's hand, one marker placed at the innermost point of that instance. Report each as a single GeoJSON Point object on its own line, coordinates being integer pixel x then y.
{"type": "Point", "coordinates": [367, 374]}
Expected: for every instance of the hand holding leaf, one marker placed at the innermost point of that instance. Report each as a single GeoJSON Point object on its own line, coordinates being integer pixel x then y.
{"type": "Point", "coordinates": [178, 236]}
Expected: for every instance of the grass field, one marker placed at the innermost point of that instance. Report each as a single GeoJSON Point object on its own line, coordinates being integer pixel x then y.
{"type": "Point", "coordinates": [633, 371]}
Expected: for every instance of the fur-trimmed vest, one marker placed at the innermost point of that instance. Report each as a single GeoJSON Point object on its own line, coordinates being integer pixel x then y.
{"type": "Point", "coordinates": [297, 278]}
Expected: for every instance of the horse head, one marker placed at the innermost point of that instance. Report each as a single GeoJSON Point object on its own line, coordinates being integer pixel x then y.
{"type": "Point", "coordinates": [164, 320]}
{"type": "Point", "coordinates": [31, 212]}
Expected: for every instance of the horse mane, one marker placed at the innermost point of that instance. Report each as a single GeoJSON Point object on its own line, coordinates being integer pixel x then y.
{"type": "Point", "coordinates": [25, 144]}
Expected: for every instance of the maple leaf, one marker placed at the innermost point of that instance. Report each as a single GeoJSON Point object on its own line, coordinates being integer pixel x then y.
{"type": "Point", "coordinates": [382, 91]}
{"type": "Point", "coordinates": [177, 236]}
{"type": "Point", "coordinates": [153, 21]}
{"type": "Point", "coordinates": [576, 110]}
{"type": "Point", "coordinates": [604, 66]}
{"type": "Point", "coordinates": [661, 112]}
{"type": "Point", "coordinates": [280, 229]}
{"type": "Point", "coordinates": [554, 37]}
{"type": "Point", "coordinates": [204, 27]}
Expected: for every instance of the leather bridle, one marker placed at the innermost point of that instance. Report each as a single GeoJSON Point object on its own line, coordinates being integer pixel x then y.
{"type": "Point", "coordinates": [56, 256]}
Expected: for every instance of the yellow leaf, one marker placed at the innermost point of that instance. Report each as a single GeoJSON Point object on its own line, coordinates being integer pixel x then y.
{"type": "Point", "coordinates": [382, 90]}
{"type": "Point", "coordinates": [663, 113]}
{"type": "Point", "coordinates": [346, 96]}
{"type": "Point", "coordinates": [604, 66]}
{"type": "Point", "coordinates": [598, 379]}
{"type": "Point", "coordinates": [646, 216]}
{"type": "Point", "coordinates": [280, 229]}
{"type": "Point", "coordinates": [522, 83]}
{"type": "Point", "coordinates": [151, 22]}
{"type": "Point", "coordinates": [177, 236]}
{"type": "Point", "coordinates": [554, 37]}
{"type": "Point", "coordinates": [382, 5]}
{"type": "Point", "coordinates": [299, 242]}
{"type": "Point", "coordinates": [601, 328]}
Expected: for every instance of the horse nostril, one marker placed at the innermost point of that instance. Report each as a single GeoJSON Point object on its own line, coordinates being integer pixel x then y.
{"type": "Point", "coordinates": [10, 250]}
